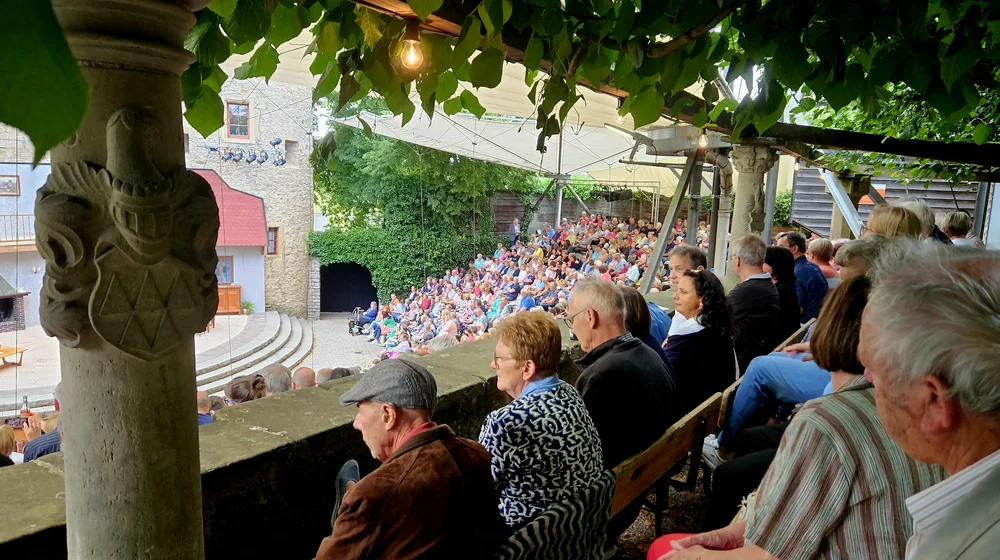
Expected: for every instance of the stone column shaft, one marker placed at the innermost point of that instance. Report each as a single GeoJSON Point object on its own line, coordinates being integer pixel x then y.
{"type": "Point", "coordinates": [752, 162]}
{"type": "Point", "coordinates": [129, 237]}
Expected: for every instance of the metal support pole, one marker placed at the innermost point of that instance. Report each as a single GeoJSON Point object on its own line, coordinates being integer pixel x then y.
{"type": "Point", "coordinates": [656, 258]}
{"type": "Point", "coordinates": [578, 199]}
{"type": "Point", "coordinates": [979, 219]}
{"type": "Point", "coordinates": [559, 200]}
{"type": "Point", "coordinates": [843, 201]}
{"type": "Point", "coordinates": [542, 196]}
{"type": "Point", "coordinates": [770, 196]}
{"type": "Point", "coordinates": [694, 204]}
{"type": "Point", "coordinates": [876, 196]}
{"type": "Point", "coordinates": [713, 218]}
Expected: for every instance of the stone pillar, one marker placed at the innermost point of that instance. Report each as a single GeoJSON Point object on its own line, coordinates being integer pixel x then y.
{"type": "Point", "coordinates": [128, 236]}
{"type": "Point", "coordinates": [752, 162]}
{"type": "Point", "coordinates": [313, 309]}
{"type": "Point", "coordinates": [857, 186]}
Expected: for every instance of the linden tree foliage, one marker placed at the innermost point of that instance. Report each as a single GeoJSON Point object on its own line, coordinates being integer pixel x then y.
{"type": "Point", "coordinates": [941, 53]}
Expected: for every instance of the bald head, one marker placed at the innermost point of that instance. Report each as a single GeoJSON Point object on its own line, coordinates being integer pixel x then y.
{"type": "Point", "coordinates": [303, 377]}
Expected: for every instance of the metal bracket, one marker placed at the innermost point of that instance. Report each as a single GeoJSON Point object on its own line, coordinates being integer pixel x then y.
{"type": "Point", "coordinates": [843, 202]}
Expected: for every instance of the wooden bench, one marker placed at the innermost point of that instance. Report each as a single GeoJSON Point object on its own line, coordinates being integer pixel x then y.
{"type": "Point", "coordinates": [7, 351]}
{"type": "Point", "coordinates": [656, 466]}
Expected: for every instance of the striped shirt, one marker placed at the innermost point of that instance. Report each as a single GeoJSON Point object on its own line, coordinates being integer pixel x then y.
{"type": "Point", "coordinates": [931, 506]}
{"type": "Point", "coordinates": [838, 484]}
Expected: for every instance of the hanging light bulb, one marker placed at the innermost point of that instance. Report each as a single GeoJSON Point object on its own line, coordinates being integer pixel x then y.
{"type": "Point", "coordinates": [412, 56]}
{"type": "Point", "coordinates": [703, 140]}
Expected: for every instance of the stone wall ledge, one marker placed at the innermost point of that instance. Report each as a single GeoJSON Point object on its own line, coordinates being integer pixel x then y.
{"type": "Point", "coordinates": [268, 466]}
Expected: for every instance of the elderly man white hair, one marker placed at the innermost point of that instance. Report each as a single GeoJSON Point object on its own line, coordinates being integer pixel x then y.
{"type": "Point", "coordinates": [930, 343]}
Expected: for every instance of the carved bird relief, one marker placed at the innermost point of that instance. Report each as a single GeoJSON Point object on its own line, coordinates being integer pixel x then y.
{"type": "Point", "coordinates": [130, 253]}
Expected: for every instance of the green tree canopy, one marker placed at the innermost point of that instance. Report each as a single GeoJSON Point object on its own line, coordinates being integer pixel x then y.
{"type": "Point", "coordinates": [941, 52]}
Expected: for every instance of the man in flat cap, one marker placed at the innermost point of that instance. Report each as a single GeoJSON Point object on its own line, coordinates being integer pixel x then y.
{"type": "Point", "coordinates": [432, 497]}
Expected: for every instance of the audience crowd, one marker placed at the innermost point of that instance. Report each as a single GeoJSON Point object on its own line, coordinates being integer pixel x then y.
{"type": "Point", "coordinates": [876, 436]}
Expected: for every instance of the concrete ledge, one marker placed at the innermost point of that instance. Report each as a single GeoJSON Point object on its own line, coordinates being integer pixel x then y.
{"type": "Point", "coordinates": [268, 465]}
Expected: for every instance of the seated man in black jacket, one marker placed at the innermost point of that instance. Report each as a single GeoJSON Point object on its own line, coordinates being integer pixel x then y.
{"type": "Point", "coordinates": [753, 304]}
{"type": "Point", "coordinates": [629, 392]}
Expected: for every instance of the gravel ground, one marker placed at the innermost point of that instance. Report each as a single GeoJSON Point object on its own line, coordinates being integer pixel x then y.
{"type": "Point", "coordinates": [334, 347]}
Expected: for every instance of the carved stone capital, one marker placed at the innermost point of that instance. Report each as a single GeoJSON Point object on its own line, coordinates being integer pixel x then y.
{"type": "Point", "coordinates": [130, 252]}
{"type": "Point", "coordinates": [753, 159]}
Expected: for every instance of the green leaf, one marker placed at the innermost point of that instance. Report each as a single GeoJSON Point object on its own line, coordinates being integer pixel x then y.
{"type": "Point", "coordinates": [206, 41]}
{"type": "Point", "coordinates": [533, 92]}
{"type": "Point", "coordinates": [462, 72]}
{"type": "Point", "coordinates": [348, 87]}
{"type": "Point", "coordinates": [533, 53]}
{"type": "Point", "coordinates": [791, 64]}
{"type": "Point", "coordinates": [328, 39]}
{"type": "Point", "coordinates": [263, 63]}
{"type": "Point", "coordinates": [452, 106]}
{"type": "Point", "coordinates": [191, 84]}
{"type": "Point", "coordinates": [555, 91]}
{"type": "Point", "coordinates": [43, 92]}
{"type": "Point", "coordinates": [471, 104]}
{"type": "Point", "coordinates": [487, 69]}
{"type": "Point", "coordinates": [597, 69]}
{"type": "Point", "coordinates": [447, 85]}
{"type": "Point", "coordinates": [205, 114]}
{"type": "Point", "coordinates": [884, 66]}
{"type": "Point", "coordinates": [626, 17]}
{"type": "Point", "coordinates": [427, 88]}
{"type": "Point", "coordinates": [243, 48]}
{"type": "Point", "coordinates": [371, 25]}
{"type": "Point", "coordinates": [216, 78]}
{"type": "Point", "coordinates": [530, 76]}
{"type": "Point", "coordinates": [956, 64]}
{"type": "Point", "coordinates": [562, 45]}
{"type": "Point", "coordinates": [699, 119]}
{"type": "Point", "coordinates": [248, 22]}
{"type": "Point", "coordinates": [647, 106]}
{"type": "Point", "coordinates": [769, 106]}
{"type": "Point", "coordinates": [468, 42]}
{"type": "Point", "coordinates": [424, 8]}
{"type": "Point", "coordinates": [724, 105]}
{"type": "Point", "coordinates": [495, 14]}
{"type": "Point", "coordinates": [982, 133]}
{"type": "Point", "coordinates": [327, 82]}
{"type": "Point", "coordinates": [916, 74]}
{"type": "Point", "coordinates": [286, 23]}
{"type": "Point", "coordinates": [366, 127]}
{"type": "Point", "coordinates": [222, 7]}
{"type": "Point", "coordinates": [806, 104]}
{"type": "Point", "coordinates": [439, 49]}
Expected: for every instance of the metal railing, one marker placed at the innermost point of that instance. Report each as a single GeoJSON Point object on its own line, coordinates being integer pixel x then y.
{"type": "Point", "coordinates": [17, 227]}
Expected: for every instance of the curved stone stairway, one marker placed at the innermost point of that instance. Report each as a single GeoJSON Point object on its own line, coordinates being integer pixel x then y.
{"type": "Point", "coordinates": [268, 338]}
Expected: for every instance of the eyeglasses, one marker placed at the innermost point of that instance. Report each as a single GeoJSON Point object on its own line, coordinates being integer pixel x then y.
{"type": "Point", "coordinates": [569, 320]}
{"type": "Point", "coordinates": [497, 359]}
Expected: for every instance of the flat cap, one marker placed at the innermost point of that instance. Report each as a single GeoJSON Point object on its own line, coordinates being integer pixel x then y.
{"type": "Point", "coordinates": [401, 382]}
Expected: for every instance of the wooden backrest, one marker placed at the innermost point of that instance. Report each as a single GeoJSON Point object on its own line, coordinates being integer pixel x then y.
{"type": "Point", "coordinates": [729, 395]}
{"type": "Point", "coordinates": [796, 336]}
{"type": "Point", "coordinates": [638, 473]}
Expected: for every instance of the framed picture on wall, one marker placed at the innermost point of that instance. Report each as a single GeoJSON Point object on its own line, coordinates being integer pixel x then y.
{"type": "Point", "coordinates": [10, 185]}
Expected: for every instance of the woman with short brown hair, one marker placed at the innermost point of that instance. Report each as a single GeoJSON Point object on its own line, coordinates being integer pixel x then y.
{"type": "Point", "coordinates": [544, 447]}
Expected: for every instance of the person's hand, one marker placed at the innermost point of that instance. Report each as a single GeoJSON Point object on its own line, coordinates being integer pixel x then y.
{"type": "Point", "coordinates": [19, 446]}
{"type": "Point", "coordinates": [726, 538]}
{"type": "Point", "coordinates": [691, 553]}
{"type": "Point", "coordinates": [793, 349]}
{"type": "Point", "coordinates": [33, 427]}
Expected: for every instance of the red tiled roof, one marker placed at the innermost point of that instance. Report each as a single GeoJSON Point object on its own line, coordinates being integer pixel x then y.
{"type": "Point", "coordinates": [241, 215]}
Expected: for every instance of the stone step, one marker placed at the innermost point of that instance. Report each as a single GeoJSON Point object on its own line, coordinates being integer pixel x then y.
{"type": "Point", "coordinates": [221, 375]}
{"type": "Point", "coordinates": [304, 349]}
{"type": "Point", "coordinates": [254, 344]}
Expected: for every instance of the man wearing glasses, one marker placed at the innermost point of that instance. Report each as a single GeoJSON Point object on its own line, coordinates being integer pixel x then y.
{"type": "Point", "coordinates": [630, 394]}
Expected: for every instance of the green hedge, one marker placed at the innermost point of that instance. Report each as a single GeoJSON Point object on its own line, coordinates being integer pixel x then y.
{"type": "Point", "coordinates": [397, 262]}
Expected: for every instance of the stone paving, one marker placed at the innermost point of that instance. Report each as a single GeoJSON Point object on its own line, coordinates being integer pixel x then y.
{"type": "Point", "coordinates": [334, 347]}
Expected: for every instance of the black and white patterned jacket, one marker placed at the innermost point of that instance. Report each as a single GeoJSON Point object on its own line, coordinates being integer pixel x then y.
{"type": "Point", "coordinates": [543, 449]}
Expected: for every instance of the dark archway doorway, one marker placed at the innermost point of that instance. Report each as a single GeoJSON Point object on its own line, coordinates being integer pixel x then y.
{"type": "Point", "coordinates": [344, 286]}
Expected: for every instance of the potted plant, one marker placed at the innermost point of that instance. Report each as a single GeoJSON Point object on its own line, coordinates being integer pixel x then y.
{"type": "Point", "coordinates": [247, 306]}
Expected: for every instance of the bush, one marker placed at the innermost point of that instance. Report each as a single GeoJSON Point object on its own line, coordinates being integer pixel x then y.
{"type": "Point", "coordinates": [783, 209]}
{"type": "Point", "coordinates": [397, 262]}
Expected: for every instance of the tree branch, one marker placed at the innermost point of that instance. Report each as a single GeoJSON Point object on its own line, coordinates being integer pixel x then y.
{"type": "Point", "coordinates": [571, 69]}
{"type": "Point", "coordinates": [660, 50]}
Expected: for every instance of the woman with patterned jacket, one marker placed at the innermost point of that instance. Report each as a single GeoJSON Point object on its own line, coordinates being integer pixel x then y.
{"type": "Point", "coordinates": [544, 447]}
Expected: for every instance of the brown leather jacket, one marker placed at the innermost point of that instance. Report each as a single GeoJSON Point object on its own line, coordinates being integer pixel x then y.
{"type": "Point", "coordinates": [433, 498]}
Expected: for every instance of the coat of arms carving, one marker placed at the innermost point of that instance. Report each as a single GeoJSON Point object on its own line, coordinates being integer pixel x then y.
{"type": "Point", "coordinates": [130, 253]}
